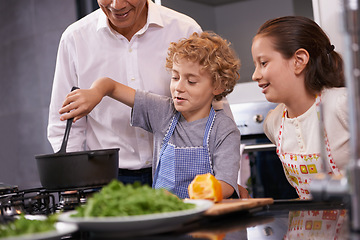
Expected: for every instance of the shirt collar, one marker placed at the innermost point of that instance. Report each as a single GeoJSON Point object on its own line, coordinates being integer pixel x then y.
{"type": "Point", "coordinates": [102, 21]}
{"type": "Point", "coordinates": [154, 18]}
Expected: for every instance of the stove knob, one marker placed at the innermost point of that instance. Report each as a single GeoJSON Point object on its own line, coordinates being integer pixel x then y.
{"type": "Point", "coordinates": [258, 118]}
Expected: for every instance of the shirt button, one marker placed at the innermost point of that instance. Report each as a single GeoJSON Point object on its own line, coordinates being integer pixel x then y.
{"type": "Point", "coordinates": [132, 79]}
{"type": "Point", "coordinates": [130, 49]}
{"type": "Point", "coordinates": [142, 135]}
{"type": "Point", "coordinates": [147, 162]}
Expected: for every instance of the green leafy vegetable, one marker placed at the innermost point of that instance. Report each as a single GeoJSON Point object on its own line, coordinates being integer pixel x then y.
{"type": "Point", "coordinates": [23, 226]}
{"type": "Point", "coordinates": [117, 199]}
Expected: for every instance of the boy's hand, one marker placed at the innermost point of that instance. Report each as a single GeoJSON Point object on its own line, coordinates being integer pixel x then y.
{"type": "Point", "coordinates": [243, 192]}
{"type": "Point", "coordinates": [79, 103]}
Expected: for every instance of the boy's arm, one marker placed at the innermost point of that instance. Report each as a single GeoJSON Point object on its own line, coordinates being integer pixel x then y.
{"type": "Point", "coordinates": [118, 91]}
{"type": "Point", "coordinates": [227, 189]}
{"type": "Point", "coordinates": [80, 102]}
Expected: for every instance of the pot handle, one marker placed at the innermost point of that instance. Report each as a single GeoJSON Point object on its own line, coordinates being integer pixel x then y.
{"type": "Point", "coordinates": [67, 131]}
{"type": "Point", "coordinates": [108, 152]}
{"type": "Point", "coordinates": [97, 153]}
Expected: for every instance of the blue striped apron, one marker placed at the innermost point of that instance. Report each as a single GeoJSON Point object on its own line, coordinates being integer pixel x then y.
{"type": "Point", "coordinates": [178, 166]}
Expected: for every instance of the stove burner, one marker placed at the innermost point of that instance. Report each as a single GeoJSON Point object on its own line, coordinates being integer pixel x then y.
{"type": "Point", "coordinates": [40, 201]}
{"type": "Point", "coordinates": [69, 200]}
{"type": "Point", "coordinates": [27, 202]}
{"type": "Point", "coordinates": [5, 188]}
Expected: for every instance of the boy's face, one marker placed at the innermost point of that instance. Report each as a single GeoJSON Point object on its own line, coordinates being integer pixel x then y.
{"type": "Point", "coordinates": [192, 90]}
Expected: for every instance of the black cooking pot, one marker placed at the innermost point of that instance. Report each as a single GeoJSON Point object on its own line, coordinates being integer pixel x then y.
{"type": "Point", "coordinates": [78, 169]}
{"type": "Point", "coordinates": [62, 170]}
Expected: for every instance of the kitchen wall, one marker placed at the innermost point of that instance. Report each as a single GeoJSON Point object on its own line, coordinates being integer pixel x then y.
{"type": "Point", "coordinates": [239, 21]}
{"type": "Point", "coordinates": [329, 15]}
{"type": "Point", "coordinates": [29, 31]}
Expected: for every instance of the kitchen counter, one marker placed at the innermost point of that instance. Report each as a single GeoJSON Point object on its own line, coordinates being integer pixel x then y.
{"type": "Point", "coordinates": [285, 219]}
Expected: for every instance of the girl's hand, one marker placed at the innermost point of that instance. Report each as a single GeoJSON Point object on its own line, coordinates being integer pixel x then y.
{"type": "Point", "coordinates": [79, 103]}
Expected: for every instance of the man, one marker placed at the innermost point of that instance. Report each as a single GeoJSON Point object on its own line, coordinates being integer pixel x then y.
{"type": "Point", "coordinates": [126, 40]}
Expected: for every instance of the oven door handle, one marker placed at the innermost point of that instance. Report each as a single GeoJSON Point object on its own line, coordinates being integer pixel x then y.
{"type": "Point", "coordinates": [259, 147]}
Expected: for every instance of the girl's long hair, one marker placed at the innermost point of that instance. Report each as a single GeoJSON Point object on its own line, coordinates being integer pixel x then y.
{"type": "Point", "coordinates": [290, 33]}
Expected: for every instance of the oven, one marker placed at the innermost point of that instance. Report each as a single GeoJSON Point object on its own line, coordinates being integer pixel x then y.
{"type": "Point", "coordinates": [261, 171]}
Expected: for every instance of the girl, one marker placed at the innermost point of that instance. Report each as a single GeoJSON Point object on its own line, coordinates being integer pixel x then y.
{"type": "Point", "coordinates": [297, 67]}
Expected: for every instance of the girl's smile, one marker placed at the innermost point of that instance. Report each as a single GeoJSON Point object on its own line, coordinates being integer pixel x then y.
{"type": "Point", "coordinates": [264, 87]}
{"type": "Point", "coordinates": [279, 78]}
{"type": "Point", "coordinates": [274, 73]}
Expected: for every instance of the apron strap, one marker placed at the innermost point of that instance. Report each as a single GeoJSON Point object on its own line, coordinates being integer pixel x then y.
{"type": "Point", "coordinates": [170, 131]}
{"type": "Point", "coordinates": [208, 127]}
{"type": "Point", "coordinates": [279, 143]}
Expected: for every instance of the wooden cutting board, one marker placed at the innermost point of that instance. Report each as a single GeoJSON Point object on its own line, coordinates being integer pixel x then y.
{"type": "Point", "coordinates": [233, 205]}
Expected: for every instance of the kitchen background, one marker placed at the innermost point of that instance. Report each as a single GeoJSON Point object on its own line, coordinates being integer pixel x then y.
{"type": "Point", "coordinates": [30, 31]}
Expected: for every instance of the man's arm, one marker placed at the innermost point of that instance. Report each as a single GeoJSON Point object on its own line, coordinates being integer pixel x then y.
{"type": "Point", "coordinates": [65, 78]}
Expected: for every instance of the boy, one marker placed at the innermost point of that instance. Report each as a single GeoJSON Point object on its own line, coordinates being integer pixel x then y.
{"type": "Point", "coordinates": [190, 138]}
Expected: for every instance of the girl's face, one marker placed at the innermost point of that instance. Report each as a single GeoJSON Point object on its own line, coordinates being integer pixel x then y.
{"type": "Point", "coordinates": [192, 90]}
{"type": "Point", "coordinates": [274, 74]}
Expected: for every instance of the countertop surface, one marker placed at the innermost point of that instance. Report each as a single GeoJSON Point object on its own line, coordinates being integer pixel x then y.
{"type": "Point", "coordinates": [284, 219]}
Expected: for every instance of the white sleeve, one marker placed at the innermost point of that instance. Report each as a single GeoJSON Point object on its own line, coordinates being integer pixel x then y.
{"type": "Point", "coordinates": [342, 110]}
{"type": "Point", "coordinates": [65, 78]}
{"type": "Point", "coordinates": [272, 123]}
{"type": "Point", "coordinates": [223, 104]}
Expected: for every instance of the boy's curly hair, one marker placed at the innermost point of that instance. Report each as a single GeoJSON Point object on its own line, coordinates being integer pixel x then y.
{"type": "Point", "coordinates": [213, 53]}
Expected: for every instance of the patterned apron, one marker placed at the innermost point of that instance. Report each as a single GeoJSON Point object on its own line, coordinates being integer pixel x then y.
{"type": "Point", "coordinates": [299, 168]}
{"type": "Point", "coordinates": [178, 166]}
{"type": "Point", "coordinates": [316, 224]}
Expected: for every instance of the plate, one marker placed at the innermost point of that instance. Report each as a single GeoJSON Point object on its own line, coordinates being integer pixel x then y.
{"type": "Point", "coordinates": [62, 229]}
{"type": "Point", "coordinates": [139, 224]}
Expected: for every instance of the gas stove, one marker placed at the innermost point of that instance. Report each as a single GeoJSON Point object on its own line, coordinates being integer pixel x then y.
{"type": "Point", "coordinates": [40, 201]}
